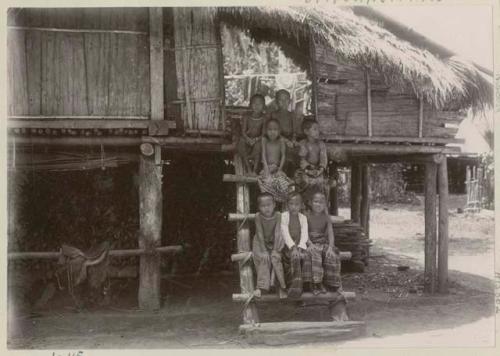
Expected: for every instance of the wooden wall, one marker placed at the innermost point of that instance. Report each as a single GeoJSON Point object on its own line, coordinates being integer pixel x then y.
{"type": "Point", "coordinates": [98, 67]}
{"type": "Point", "coordinates": [342, 103]}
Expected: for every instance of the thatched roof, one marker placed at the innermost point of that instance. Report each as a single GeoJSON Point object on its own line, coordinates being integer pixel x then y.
{"type": "Point", "coordinates": [443, 82]}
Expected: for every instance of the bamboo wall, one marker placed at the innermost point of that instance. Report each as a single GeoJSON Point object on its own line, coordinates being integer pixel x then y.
{"type": "Point", "coordinates": [198, 58]}
{"type": "Point", "coordinates": [85, 71]}
{"type": "Point", "coordinates": [342, 103]}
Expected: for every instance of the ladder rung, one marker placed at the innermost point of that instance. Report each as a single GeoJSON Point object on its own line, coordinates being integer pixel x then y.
{"type": "Point", "coordinates": [269, 298]}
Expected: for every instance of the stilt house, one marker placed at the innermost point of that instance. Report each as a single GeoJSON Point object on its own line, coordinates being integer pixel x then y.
{"type": "Point", "coordinates": [152, 80]}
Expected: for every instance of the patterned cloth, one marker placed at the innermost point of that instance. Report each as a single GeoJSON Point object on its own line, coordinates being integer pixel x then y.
{"type": "Point", "coordinates": [297, 271]}
{"type": "Point", "coordinates": [277, 185]}
{"type": "Point", "coordinates": [325, 269]}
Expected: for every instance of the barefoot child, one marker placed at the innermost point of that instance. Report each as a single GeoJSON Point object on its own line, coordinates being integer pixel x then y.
{"type": "Point", "coordinates": [324, 255]}
{"type": "Point", "coordinates": [251, 131]}
{"type": "Point", "coordinates": [313, 161]}
{"type": "Point", "coordinates": [267, 245]}
{"type": "Point", "coordinates": [296, 262]}
{"type": "Point", "coordinates": [272, 179]}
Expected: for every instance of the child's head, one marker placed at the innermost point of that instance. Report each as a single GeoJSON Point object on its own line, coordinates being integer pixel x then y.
{"type": "Point", "coordinates": [318, 202]}
{"type": "Point", "coordinates": [282, 99]}
{"type": "Point", "coordinates": [310, 128]}
{"type": "Point", "coordinates": [257, 103]}
{"type": "Point", "coordinates": [266, 204]}
{"type": "Point", "coordinates": [294, 202]}
{"type": "Point", "coordinates": [273, 129]}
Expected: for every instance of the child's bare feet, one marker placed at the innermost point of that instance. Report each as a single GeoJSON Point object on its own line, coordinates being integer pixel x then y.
{"type": "Point", "coordinates": [282, 293]}
{"type": "Point", "coordinates": [257, 293]}
{"type": "Point", "coordinates": [316, 290]}
{"type": "Point", "coordinates": [322, 288]}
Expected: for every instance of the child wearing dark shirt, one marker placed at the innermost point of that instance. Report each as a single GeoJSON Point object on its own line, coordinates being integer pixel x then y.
{"type": "Point", "coordinates": [267, 245]}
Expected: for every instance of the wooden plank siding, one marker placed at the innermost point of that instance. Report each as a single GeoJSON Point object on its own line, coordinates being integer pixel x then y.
{"type": "Point", "coordinates": [342, 104]}
{"type": "Point", "coordinates": [79, 73]}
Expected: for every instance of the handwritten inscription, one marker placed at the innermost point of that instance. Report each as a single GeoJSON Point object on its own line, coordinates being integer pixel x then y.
{"type": "Point", "coordinates": [68, 353]}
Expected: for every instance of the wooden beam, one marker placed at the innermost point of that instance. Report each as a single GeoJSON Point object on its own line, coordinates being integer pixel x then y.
{"type": "Point", "coordinates": [236, 178]}
{"type": "Point", "coordinates": [443, 228]}
{"type": "Point", "coordinates": [150, 218]}
{"type": "Point", "coordinates": [407, 158]}
{"type": "Point", "coordinates": [355, 192]}
{"type": "Point", "coordinates": [156, 63]}
{"type": "Point", "coordinates": [420, 117]}
{"type": "Point", "coordinates": [240, 217]}
{"type": "Point", "coordinates": [391, 139]}
{"type": "Point", "coordinates": [75, 30]}
{"type": "Point", "coordinates": [269, 298]}
{"type": "Point", "coordinates": [314, 74]}
{"type": "Point", "coordinates": [80, 122]}
{"type": "Point", "coordinates": [112, 253]}
{"type": "Point", "coordinates": [77, 141]}
{"type": "Point", "coordinates": [365, 199]}
{"type": "Point", "coordinates": [430, 227]}
{"type": "Point", "coordinates": [369, 103]}
{"type": "Point", "coordinates": [379, 149]}
{"type": "Point", "coordinates": [250, 314]}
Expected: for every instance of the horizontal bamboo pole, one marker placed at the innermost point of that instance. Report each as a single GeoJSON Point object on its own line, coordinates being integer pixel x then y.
{"type": "Point", "coordinates": [376, 149]}
{"type": "Point", "coordinates": [71, 30]}
{"type": "Point", "coordinates": [238, 178]}
{"type": "Point", "coordinates": [236, 257]}
{"type": "Point", "coordinates": [267, 298]}
{"type": "Point", "coordinates": [78, 141]}
{"type": "Point", "coordinates": [113, 253]}
{"type": "Point", "coordinates": [392, 139]}
{"type": "Point", "coordinates": [240, 217]}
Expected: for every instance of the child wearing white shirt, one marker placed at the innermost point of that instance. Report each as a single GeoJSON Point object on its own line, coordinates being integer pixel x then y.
{"type": "Point", "coordinates": [297, 263]}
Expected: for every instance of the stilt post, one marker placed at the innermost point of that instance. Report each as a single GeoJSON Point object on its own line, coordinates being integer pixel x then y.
{"type": "Point", "coordinates": [365, 198]}
{"type": "Point", "coordinates": [443, 228]}
{"type": "Point", "coordinates": [430, 227]}
{"type": "Point", "coordinates": [250, 314]}
{"type": "Point", "coordinates": [355, 192]}
{"type": "Point", "coordinates": [334, 200]}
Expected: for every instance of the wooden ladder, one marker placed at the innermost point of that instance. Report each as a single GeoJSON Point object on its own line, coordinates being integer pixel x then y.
{"type": "Point", "coordinates": [288, 332]}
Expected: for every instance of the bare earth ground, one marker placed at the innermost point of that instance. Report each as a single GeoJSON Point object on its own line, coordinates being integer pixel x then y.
{"type": "Point", "coordinates": [198, 313]}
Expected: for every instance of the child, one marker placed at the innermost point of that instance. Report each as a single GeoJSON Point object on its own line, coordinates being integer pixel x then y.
{"type": "Point", "coordinates": [324, 255]}
{"type": "Point", "coordinates": [295, 234]}
{"type": "Point", "coordinates": [267, 246]}
{"type": "Point", "coordinates": [313, 161]}
{"type": "Point", "coordinates": [287, 120]}
{"type": "Point", "coordinates": [272, 179]}
{"type": "Point", "coordinates": [251, 131]}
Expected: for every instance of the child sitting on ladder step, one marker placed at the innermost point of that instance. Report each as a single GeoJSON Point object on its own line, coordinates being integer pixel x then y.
{"type": "Point", "coordinates": [249, 146]}
{"type": "Point", "coordinates": [296, 261]}
{"type": "Point", "coordinates": [313, 161]}
{"type": "Point", "coordinates": [324, 255]}
{"type": "Point", "coordinates": [267, 245]}
{"type": "Point", "coordinates": [272, 179]}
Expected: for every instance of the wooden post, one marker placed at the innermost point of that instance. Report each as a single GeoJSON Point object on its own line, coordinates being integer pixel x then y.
{"type": "Point", "coordinates": [369, 102]}
{"type": "Point", "coordinates": [355, 192]}
{"type": "Point", "coordinates": [365, 199]}
{"type": "Point", "coordinates": [420, 117]}
{"type": "Point", "coordinates": [250, 315]}
{"type": "Point", "coordinates": [334, 200]}
{"type": "Point", "coordinates": [430, 227]}
{"type": "Point", "coordinates": [150, 217]}
{"type": "Point", "coordinates": [150, 176]}
{"type": "Point", "coordinates": [443, 228]}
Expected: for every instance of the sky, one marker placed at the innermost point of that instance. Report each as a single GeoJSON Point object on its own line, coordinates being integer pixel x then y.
{"type": "Point", "coordinates": [464, 29]}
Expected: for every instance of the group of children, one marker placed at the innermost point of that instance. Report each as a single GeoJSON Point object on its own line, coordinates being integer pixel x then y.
{"type": "Point", "coordinates": [294, 248]}
{"type": "Point", "coordinates": [269, 141]}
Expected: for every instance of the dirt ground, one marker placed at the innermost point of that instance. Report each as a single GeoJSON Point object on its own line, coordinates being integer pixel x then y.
{"type": "Point", "coordinates": [198, 312]}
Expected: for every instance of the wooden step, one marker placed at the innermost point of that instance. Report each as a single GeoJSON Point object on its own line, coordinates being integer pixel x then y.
{"type": "Point", "coordinates": [235, 178]}
{"type": "Point", "coordinates": [236, 257]}
{"type": "Point", "coordinates": [269, 298]}
{"type": "Point", "coordinates": [293, 332]}
{"type": "Point", "coordinates": [240, 217]}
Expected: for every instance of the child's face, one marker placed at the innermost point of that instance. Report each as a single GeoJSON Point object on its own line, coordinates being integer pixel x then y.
{"type": "Point", "coordinates": [313, 132]}
{"type": "Point", "coordinates": [257, 105]}
{"type": "Point", "coordinates": [295, 204]}
{"type": "Point", "coordinates": [283, 101]}
{"type": "Point", "coordinates": [266, 206]}
{"type": "Point", "coordinates": [273, 130]}
{"type": "Point", "coordinates": [318, 203]}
